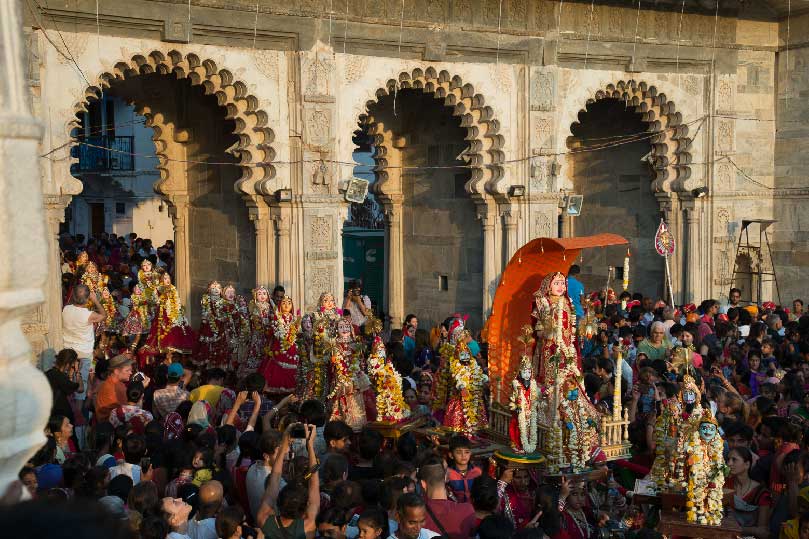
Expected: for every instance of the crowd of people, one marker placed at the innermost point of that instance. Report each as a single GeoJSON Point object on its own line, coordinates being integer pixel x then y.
{"type": "Point", "coordinates": [208, 444]}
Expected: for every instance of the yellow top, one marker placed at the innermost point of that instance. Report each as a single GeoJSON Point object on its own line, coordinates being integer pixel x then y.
{"type": "Point", "coordinates": [209, 393]}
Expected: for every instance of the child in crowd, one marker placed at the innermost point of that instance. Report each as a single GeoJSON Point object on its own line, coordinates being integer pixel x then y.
{"type": "Point", "coordinates": [461, 473]}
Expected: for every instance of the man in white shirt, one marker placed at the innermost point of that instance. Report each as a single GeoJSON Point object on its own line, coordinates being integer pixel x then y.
{"type": "Point", "coordinates": [357, 304]}
{"type": "Point", "coordinates": [256, 478]}
{"type": "Point", "coordinates": [78, 333]}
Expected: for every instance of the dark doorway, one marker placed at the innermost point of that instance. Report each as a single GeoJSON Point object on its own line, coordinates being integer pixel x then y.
{"type": "Point", "coordinates": [96, 218]}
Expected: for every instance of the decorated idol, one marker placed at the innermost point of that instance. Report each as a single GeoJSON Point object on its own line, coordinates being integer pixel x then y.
{"type": "Point", "coordinates": [281, 364]}
{"type": "Point", "coordinates": [170, 331]}
{"type": "Point", "coordinates": [139, 321]}
{"type": "Point", "coordinates": [525, 404]}
{"type": "Point", "coordinates": [236, 325]}
{"type": "Point", "coordinates": [327, 308]}
{"type": "Point", "coordinates": [465, 409]}
{"type": "Point", "coordinates": [149, 281]}
{"type": "Point", "coordinates": [578, 419]}
{"type": "Point", "coordinates": [390, 404]}
{"type": "Point", "coordinates": [314, 368]}
{"type": "Point", "coordinates": [348, 381]}
{"type": "Point", "coordinates": [112, 323]}
{"type": "Point", "coordinates": [701, 468]}
{"type": "Point", "coordinates": [213, 348]}
{"type": "Point", "coordinates": [260, 320]}
{"type": "Point", "coordinates": [94, 279]}
{"type": "Point", "coordinates": [456, 331]}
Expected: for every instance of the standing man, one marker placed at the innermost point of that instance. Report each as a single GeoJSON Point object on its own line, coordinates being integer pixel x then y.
{"type": "Point", "coordinates": [411, 515]}
{"type": "Point", "coordinates": [734, 300]}
{"type": "Point", "coordinates": [278, 294]}
{"type": "Point", "coordinates": [575, 289]}
{"type": "Point", "coordinates": [357, 304]}
{"type": "Point", "coordinates": [166, 400]}
{"type": "Point", "coordinates": [78, 333]}
{"type": "Point", "coordinates": [112, 392]}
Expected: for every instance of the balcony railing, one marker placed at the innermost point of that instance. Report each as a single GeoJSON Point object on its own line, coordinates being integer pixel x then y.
{"type": "Point", "coordinates": [105, 153]}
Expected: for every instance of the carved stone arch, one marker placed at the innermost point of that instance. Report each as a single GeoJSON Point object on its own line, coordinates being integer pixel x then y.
{"type": "Point", "coordinates": [254, 149]}
{"type": "Point", "coordinates": [668, 134]}
{"type": "Point", "coordinates": [485, 152]}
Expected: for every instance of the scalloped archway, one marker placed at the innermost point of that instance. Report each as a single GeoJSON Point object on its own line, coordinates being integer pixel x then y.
{"type": "Point", "coordinates": [668, 134]}
{"type": "Point", "coordinates": [485, 160]}
{"type": "Point", "coordinates": [175, 145]}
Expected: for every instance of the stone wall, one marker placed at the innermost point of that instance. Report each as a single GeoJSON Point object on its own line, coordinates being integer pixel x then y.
{"type": "Point", "coordinates": [791, 236]}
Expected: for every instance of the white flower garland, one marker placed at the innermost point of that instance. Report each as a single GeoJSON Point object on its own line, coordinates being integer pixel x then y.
{"type": "Point", "coordinates": [528, 432]}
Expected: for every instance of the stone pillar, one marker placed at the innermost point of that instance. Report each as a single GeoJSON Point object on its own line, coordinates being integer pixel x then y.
{"type": "Point", "coordinates": [692, 252]}
{"type": "Point", "coordinates": [284, 264]}
{"type": "Point", "coordinates": [487, 215]}
{"type": "Point", "coordinates": [24, 391]}
{"type": "Point", "coordinates": [178, 207]}
{"type": "Point", "coordinates": [510, 218]}
{"type": "Point", "coordinates": [265, 241]}
{"type": "Point", "coordinates": [395, 258]}
{"type": "Point", "coordinates": [54, 216]}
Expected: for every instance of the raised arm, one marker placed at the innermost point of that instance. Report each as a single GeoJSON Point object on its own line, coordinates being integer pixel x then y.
{"type": "Point", "coordinates": [98, 314]}
{"type": "Point", "coordinates": [268, 502]}
{"type": "Point", "coordinates": [234, 411]}
{"type": "Point", "coordinates": [251, 423]}
{"type": "Point", "coordinates": [313, 503]}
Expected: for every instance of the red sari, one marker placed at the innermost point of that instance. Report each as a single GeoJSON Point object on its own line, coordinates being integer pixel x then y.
{"type": "Point", "coordinates": [170, 330]}
{"type": "Point", "coordinates": [213, 350]}
{"type": "Point", "coordinates": [280, 366]}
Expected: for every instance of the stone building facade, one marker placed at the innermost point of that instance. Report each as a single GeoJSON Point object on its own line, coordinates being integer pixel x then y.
{"type": "Point", "coordinates": [254, 108]}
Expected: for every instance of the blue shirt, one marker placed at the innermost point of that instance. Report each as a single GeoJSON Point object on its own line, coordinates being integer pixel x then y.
{"type": "Point", "coordinates": [575, 289]}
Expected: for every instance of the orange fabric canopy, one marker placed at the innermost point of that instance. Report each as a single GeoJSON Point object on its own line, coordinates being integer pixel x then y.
{"type": "Point", "coordinates": [514, 299]}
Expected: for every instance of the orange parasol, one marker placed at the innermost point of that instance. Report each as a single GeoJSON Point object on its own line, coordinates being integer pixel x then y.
{"type": "Point", "coordinates": [514, 298]}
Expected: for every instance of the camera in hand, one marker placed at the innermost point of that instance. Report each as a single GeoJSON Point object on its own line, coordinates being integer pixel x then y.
{"type": "Point", "coordinates": [298, 431]}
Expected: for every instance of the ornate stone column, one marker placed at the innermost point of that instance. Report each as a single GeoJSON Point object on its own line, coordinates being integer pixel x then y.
{"type": "Point", "coordinates": [395, 258]}
{"type": "Point", "coordinates": [487, 213]}
{"type": "Point", "coordinates": [54, 216]}
{"type": "Point", "coordinates": [178, 210]}
{"type": "Point", "coordinates": [24, 392]}
{"type": "Point", "coordinates": [282, 226]}
{"type": "Point", "coordinates": [692, 251]}
{"type": "Point", "coordinates": [510, 218]}
{"type": "Point", "coordinates": [265, 241]}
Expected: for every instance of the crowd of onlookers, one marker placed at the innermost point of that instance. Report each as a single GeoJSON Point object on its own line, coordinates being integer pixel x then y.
{"type": "Point", "coordinates": [183, 453]}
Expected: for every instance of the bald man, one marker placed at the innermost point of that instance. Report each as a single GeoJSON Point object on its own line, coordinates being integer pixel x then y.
{"type": "Point", "coordinates": [203, 525]}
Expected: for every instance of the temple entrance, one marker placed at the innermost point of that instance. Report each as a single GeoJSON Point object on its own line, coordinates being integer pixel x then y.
{"type": "Point", "coordinates": [188, 156]}
{"type": "Point", "coordinates": [442, 244]}
{"type": "Point", "coordinates": [610, 166]}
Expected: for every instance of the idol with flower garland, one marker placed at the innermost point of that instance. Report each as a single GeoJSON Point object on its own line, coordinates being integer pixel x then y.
{"type": "Point", "coordinates": [313, 368]}
{"type": "Point", "coordinates": [77, 269]}
{"type": "Point", "coordinates": [112, 323]}
{"type": "Point", "coordinates": [579, 421]}
{"type": "Point", "coordinates": [237, 326]}
{"type": "Point", "coordinates": [526, 406]}
{"type": "Point", "coordinates": [348, 381]}
{"type": "Point", "coordinates": [666, 430]}
{"type": "Point", "coordinates": [94, 279]}
{"type": "Point", "coordinates": [281, 363]}
{"type": "Point", "coordinates": [324, 329]}
{"type": "Point", "coordinates": [139, 320]}
{"type": "Point", "coordinates": [149, 281]}
{"type": "Point", "coordinates": [702, 468]}
{"type": "Point", "coordinates": [170, 331]}
{"type": "Point", "coordinates": [390, 403]}
{"type": "Point", "coordinates": [466, 412]}
{"type": "Point", "coordinates": [213, 350]}
{"type": "Point", "coordinates": [327, 310]}
{"type": "Point", "coordinates": [446, 349]}
{"type": "Point", "coordinates": [260, 321]}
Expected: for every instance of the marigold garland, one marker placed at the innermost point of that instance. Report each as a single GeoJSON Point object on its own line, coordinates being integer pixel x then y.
{"type": "Point", "coordinates": [468, 381]}
{"type": "Point", "coordinates": [170, 313]}
{"type": "Point", "coordinates": [390, 403]}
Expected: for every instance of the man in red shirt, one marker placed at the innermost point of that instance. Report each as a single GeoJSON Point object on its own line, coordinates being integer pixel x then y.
{"type": "Point", "coordinates": [112, 392]}
{"type": "Point", "coordinates": [456, 519]}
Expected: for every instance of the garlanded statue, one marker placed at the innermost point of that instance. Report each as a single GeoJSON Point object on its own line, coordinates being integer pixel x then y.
{"type": "Point", "coordinates": [324, 328]}
{"type": "Point", "coordinates": [579, 420]}
{"type": "Point", "coordinates": [465, 408]}
{"type": "Point", "coordinates": [672, 429]}
{"type": "Point", "coordinates": [456, 331]}
{"type": "Point", "coordinates": [237, 326]}
{"type": "Point", "coordinates": [94, 279]}
{"type": "Point", "coordinates": [111, 324]}
{"type": "Point", "coordinates": [170, 331]}
{"type": "Point", "coordinates": [281, 363]}
{"type": "Point", "coordinates": [139, 320]}
{"type": "Point", "coordinates": [526, 406]}
{"type": "Point", "coordinates": [314, 368]}
{"type": "Point", "coordinates": [149, 281]}
{"type": "Point", "coordinates": [348, 381]}
{"type": "Point", "coordinates": [555, 328]}
{"type": "Point", "coordinates": [702, 467]}
{"type": "Point", "coordinates": [390, 403]}
{"type": "Point", "coordinates": [327, 308]}
{"type": "Point", "coordinates": [260, 321]}
{"type": "Point", "coordinates": [213, 348]}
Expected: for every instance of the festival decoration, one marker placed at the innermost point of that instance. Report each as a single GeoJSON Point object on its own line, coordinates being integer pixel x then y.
{"type": "Point", "coordinates": [213, 348]}
{"type": "Point", "coordinates": [665, 247]}
{"type": "Point", "coordinates": [465, 408]}
{"type": "Point", "coordinates": [139, 319]}
{"type": "Point", "coordinates": [260, 320]}
{"type": "Point", "coordinates": [281, 362]}
{"type": "Point", "coordinates": [348, 381]}
{"type": "Point", "coordinates": [390, 403]}
{"type": "Point", "coordinates": [170, 331]}
{"type": "Point", "coordinates": [703, 467]}
{"type": "Point", "coordinates": [149, 281]}
{"type": "Point", "coordinates": [625, 283]}
{"type": "Point", "coordinates": [525, 405]}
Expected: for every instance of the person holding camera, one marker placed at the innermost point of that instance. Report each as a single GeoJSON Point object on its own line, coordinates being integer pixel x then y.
{"type": "Point", "coordinates": [357, 304]}
{"type": "Point", "coordinates": [291, 512]}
